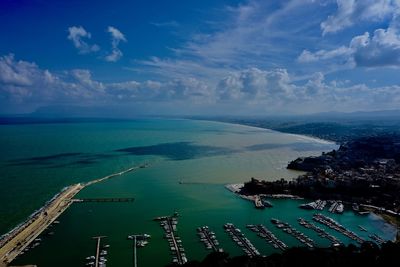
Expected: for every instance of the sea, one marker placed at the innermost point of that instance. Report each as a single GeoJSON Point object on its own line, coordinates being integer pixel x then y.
{"type": "Point", "coordinates": [190, 162]}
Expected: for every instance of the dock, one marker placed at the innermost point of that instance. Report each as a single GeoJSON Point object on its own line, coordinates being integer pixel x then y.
{"type": "Point", "coordinates": [321, 232]}
{"type": "Point", "coordinates": [16, 240]}
{"type": "Point", "coordinates": [266, 234]}
{"type": "Point", "coordinates": [208, 238]}
{"type": "Point", "coordinates": [169, 224]}
{"type": "Point", "coordinates": [239, 238]}
{"type": "Point", "coordinates": [287, 228]}
{"type": "Point", "coordinates": [331, 223]}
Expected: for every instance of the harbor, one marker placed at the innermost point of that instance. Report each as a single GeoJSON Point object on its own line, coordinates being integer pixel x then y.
{"type": "Point", "coordinates": [287, 228]}
{"type": "Point", "coordinates": [266, 234]}
{"type": "Point", "coordinates": [241, 240]}
{"type": "Point", "coordinates": [209, 239]}
{"type": "Point", "coordinates": [169, 224]}
{"type": "Point", "coordinates": [331, 223]}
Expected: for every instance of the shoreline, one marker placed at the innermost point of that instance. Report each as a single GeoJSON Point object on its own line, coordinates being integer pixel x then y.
{"type": "Point", "coordinates": [17, 239]}
{"type": "Point", "coordinates": [305, 137]}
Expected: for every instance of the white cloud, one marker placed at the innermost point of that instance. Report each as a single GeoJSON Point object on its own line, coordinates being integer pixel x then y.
{"type": "Point", "coordinates": [349, 12]}
{"type": "Point", "coordinates": [114, 56]}
{"type": "Point", "coordinates": [380, 49]}
{"type": "Point", "coordinates": [116, 37]}
{"type": "Point", "coordinates": [77, 36]}
{"type": "Point", "coordinates": [307, 56]}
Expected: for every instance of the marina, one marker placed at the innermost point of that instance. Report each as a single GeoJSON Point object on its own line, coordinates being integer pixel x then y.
{"type": "Point", "coordinates": [208, 238]}
{"type": "Point", "coordinates": [239, 238]}
{"type": "Point", "coordinates": [169, 224]}
{"type": "Point", "coordinates": [331, 223]}
{"type": "Point", "coordinates": [266, 234]}
{"type": "Point", "coordinates": [287, 228]}
{"type": "Point", "coordinates": [321, 232]}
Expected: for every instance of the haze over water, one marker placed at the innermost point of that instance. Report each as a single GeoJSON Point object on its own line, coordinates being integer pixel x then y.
{"type": "Point", "coordinates": [38, 160]}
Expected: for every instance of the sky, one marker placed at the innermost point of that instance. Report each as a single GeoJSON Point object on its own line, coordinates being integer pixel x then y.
{"type": "Point", "coordinates": [189, 57]}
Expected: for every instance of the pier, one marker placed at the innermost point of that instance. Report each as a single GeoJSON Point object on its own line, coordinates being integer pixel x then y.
{"type": "Point", "coordinates": [97, 257]}
{"type": "Point", "coordinates": [239, 238]}
{"type": "Point", "coordinates": [377, 239]}
{"type": "Point", "coordinates": [287, 228]}
{"type": "Point", "coordinates": [15, 241]}
{"type": "Point", "coordinates": [138, 241]}
{"type": "Point", "coordinates": [208, 238]}
{"type": "Point", "coordinates": [266, 234]}
{"type": "Point", "coordinates": [169, 224]}
{"type": "Point", "coordinates": [321, 232]}
{"type": "Point", "coordinates": [331, 223]}
{"type": "Point", "coordinates": [112, 199]}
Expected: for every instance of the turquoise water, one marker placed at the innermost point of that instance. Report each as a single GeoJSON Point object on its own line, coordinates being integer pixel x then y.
{"type": "Point", "coordinates": [38, 160]}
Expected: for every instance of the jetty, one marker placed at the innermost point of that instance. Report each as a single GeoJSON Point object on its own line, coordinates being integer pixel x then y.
{"type": "Point", "coordinates": [239, 238]}
{"type": "Point", "coordinates": [169, 224]}
{"type": "Point", "coordinates": [208, 238]}
{"type": "Point", "coordinates": [331, 223]}
{"type": "Point", "coordinates": [266, 234]}
{"type": "Point", "coordinates": [321, 232]}
{"type": "Point", "coordinates": [16, 240]}
{"type": "Point", "coordinates": [287, 228]}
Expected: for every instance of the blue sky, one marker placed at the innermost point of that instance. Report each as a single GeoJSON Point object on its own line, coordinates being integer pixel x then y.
{"type": "Point", "coordinates": [128, 58]}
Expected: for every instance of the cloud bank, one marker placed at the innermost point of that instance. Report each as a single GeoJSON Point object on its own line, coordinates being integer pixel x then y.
{"type": "Point", "coordinates": [253, 90]}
